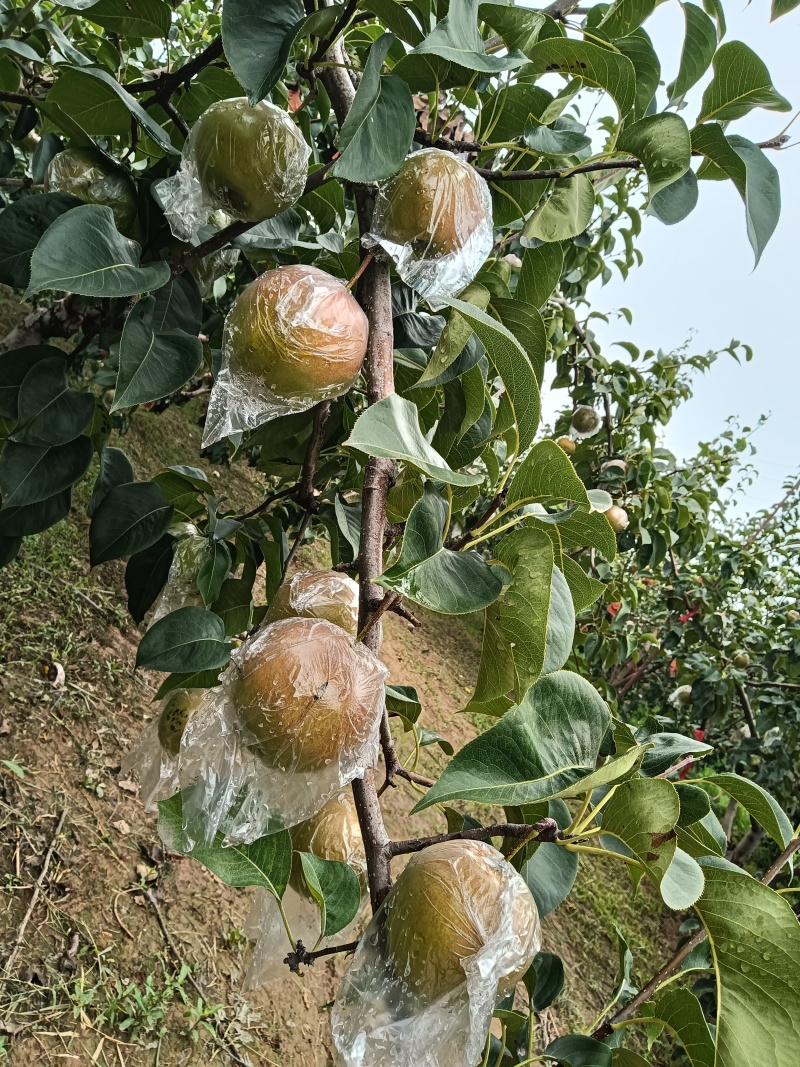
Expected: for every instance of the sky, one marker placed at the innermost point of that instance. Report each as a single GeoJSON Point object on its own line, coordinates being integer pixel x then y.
{"type": "Point", "coordinates": [697, 280]}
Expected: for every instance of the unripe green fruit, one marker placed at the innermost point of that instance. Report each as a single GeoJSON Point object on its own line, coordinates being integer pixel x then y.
{"type": "Point", "coordinates": [682, 696]}
{"type": "Point", "coordinates": [180, 706]}
{"type": "Point", "coordinates": [317, 595]}
{"type": "Point", "coordinates": [741, 660]}
{"type": "Point", "coordinates": [585, 420]}
{"type": "Point", "coordinates": [306, 694]}
{"type": "Point", "coordinates": [434, 203]}
{"type": "Point", "coordinates": [614, 465]}
{"type": "Point", "coordinates": [252, 162]}
{"type": "Point", "coordinates": [299, 331]}
{"type": "Point", "coordinates": [566, 444]}
{"type": "Point", "coordinates": [618, 518]}
{"type": "Point", "coordinates": [444, 907]}
{"type": "Point", "coordinates": [332, 834]}
{"type": "Point", "coordinates": [87, 174]}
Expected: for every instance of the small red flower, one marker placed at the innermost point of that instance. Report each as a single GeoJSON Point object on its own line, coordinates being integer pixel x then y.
{"type": "Point", "coordinates": [613, 609]}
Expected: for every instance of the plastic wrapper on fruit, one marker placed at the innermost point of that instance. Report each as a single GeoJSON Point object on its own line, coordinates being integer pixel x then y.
{"type": "Point", "coordinates": [317, 595]}
{"type": "Point", "coordinates": [153, 759]}
{"type": "Point", "coordinates": [456, 933]}
{"type": "Point", "coordinates": [251, 162]}
{"type": "Point", "coordinates": [94, 178]}
{"type": "Point", "coordinates": [294, 337]}
{"type": "Point", "coordinates": [180, 589]}
{"type": "Point", "coordinates": [295, 720]}
{"type": "Point", "coordinates": [333, 834]}
{"type": "Point", "coordinates": [434, 221]}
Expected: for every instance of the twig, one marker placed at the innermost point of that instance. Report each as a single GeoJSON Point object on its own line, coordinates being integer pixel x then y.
{"type": "Point", "coordinates": [770, 518]}
{"type": "Point", "coordinates": [417, 779]}
{"type": "Point", "coordinates": [301, 530]}
{"type": "Point", "coordinates": [744, 700]}
{"type": "Point", "coordinates": [365, 262]}
{"type": "Point", "coordinates": [177, 119]}
{"type": "Point", "coordinates": [301, 955]}
{"type": "Point", "coordinates": [36, 891]}
{"type": "Point", "coordinates": [325, 43]}
{"type": "Point", "coordinates": [565, 172]}
{"type": "Point", "coordinates": [116, 915]}
{"type": "Point", "coordinates": [638, 674]}
{"type": "Point", "coordinates": [669, 968]}
{"type": "Point", "coordinates": [496, 503]}
{"type": "Point", "coordinates": [290, 491]}
{"type": "Point", "coordinates": [377, 614]}
{"type": "Point", "coordinates": [166, 84]}
{"type": "Point", "coordinates": [307, 495]}
{"type": "Point", "coordinates": [548, 830]}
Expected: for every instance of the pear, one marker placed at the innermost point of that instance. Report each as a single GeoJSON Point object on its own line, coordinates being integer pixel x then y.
{"type": "Point", "coordinates": [87, 174]}
{"type": "Point", "coordinates": [317, 595]}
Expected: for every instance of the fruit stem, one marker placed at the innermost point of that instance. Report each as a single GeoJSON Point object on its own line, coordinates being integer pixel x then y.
{"type": "Point", "coordinates": [365, 262]}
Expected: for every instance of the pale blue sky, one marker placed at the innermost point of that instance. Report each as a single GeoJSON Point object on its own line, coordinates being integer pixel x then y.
{"type": "Point", "coordinates": [698, 279]}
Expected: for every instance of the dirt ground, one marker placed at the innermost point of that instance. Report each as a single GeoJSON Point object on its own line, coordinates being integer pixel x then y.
{"type": "Point", "coordinates": [133, 956]}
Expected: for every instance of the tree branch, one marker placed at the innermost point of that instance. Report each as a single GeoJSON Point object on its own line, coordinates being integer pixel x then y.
{"type": "Point", "coordinates": [301, 955]}
{"type": "Point", "coordinates": [630, 1009]}
{"type": "Point", "coordinates": [307, 495]}
{"type": "Point", "coordinates": [771, 517]}
{"type": "Point", "coordinates": [548, 830]}
{"type": "Point", "coordinates": [744, 701]}
{"type": "Point", "coordinates": [166, 84]}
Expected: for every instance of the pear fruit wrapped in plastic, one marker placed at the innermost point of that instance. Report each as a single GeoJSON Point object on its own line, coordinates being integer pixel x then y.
{"type": "Point", "coordinates": [457, 932]}
{"type": "Point", "coordinates": [89, 175]}
{"type": "Point", "coordinates": [332, 834]}
{"type": "Point", "coordinates": [317, 595]}
{"type": "Point", "coordinates": [295, 720]}
{"type": "Point", "coordinates": [434, 221]}
{"type": "Point", "coordinates": [294, 336]}
{"type": "Point", "coordinates": [153, 759]}
{"type": "Point", "coordinates": [250, 162]}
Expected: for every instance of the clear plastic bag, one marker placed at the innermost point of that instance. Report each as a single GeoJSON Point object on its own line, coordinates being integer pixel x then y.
{"type": "Point", "coordinates": [317, 595]}
{"type": "Point", "coordinates": [294, 336]}
{"type": "Point", "coordinates": [180, 589]}
{"type": "Point", "coordinates": [153, 759]}
{"type": "Point", "coordinates": [251, 162]}
{"type": "Point", "coordinates": [456, 933]}
{"type": "Point", "coordinates": [333, 834]}
{"type": "Point", "coordinates": [295, 720]}
{"type": "Point", "coordinates": [87, 174]}
{"type": "Point", "coordinates": [434, 221]}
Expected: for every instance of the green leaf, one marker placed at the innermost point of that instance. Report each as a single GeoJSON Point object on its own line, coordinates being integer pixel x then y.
{"type": "Point", "coordinates": [376, 135]}
{"type": "Point", "coordinates": [335, 888]}
{"type": "Point", "coordinates": [550, 872]}
{"type": "Point", "coordinates": [129, 519]}
{"type": "Point", "coordinates": [527, 326]}
{"type": "Point", "coordinates": [540, 274]}
{"type": "Point", "coordinates": [266, 863]}
{"type": "Point", "coordinates": [23, 224]}
{"type": "Point", "coordinates": [680, 1011]}
{"type": "Point", "coordinates": [152, 364]}
{"type": "Point", "coordinates": [546, 474]}
{"type": "Point", "coordinates": [544, 980]}
{"type": "Point", "coordinates": [560, 624]}
{"type": "Point", "coordinates": [758, 802]}
{"type": "Point", "coordinates": [32, 473]}
{"type": "Point", "coordinates": [14, 366]}
{"type": "Point", "coordinates": [540, 749]}
{"type": "Point", "coordinates": [663, 144]}
{"type": "Point", "coordinates": [515, 626]}
{"type": "Point", "coordinates": [258, 37]}
{"type": "Point", "coordinates": [19, 48]}
{"type": "Point", "coordinates": [741, 82]}
{"type": "Point", "coordinates": [214, 571]}
{"type": "Point", "coordinates": [554, 142]}
{"type": "Point", "coordinates": [193, 680]}
{"type": "Point", "coordinates": [178, 305]}
{"type": "Point", "coordinates": [587, 530]}
{"type": "Point", "coordinates": [146, 574]}
{"type": "Point", "coordinates": [456, 40]}
{"type": "Point", "coordinates": [512, 365]}
{"type": "Point", "coordinates": [398, 20]}
{"type": "Point", "coordinates": [115, 469]}
{"type": "Point", "coordinates": [33, 518]}
{"type": "Point", "coordinates": [452, 583]}
{"type": "Point", "coordinates": [235, 605]}
{"type": "Point", "coordinates": [145, 18]}
{"type": "Point", "coordinates": [625, 16]}
{"type": "Point", "coordinates": [585, 590]}
{"type": "Point", "coordinates": [762, 198]}
{"type": "Point", "coordinates": [592, 63]}
{"type": "Point", "coordinates": [565, 213]}
{"type": "Point", "coordinates": [699, 46]}
{"type": "Point", "coordinates": [575, 1050]}
{"type": "Point", "coordinates": [100, 105]}
{"type": "Point", "coordinates": [454, 336]}
{"type": "Point", "coordinates": [638, 48]}
{"type": "Point", "coordinates": [782, 7]}
{"type": "Point", "coordinates": [404, 700]}
{"type": "Point", "coordinates": [82, 252]}
{"type": "Point", "coordinates": [755, 939]}
{"type": "Point", "coordinates": [695, 803]}
{"type": "Point", "coordinates": [677, 201]}
{"type": "Point", "coordinates": [390, 429]}
{"type": "Point", "coordinates": [189, 639]}
{"type": "Point", "coordinates": [49, 412]}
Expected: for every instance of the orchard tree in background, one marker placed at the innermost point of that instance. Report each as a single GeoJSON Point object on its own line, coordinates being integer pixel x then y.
{"type": "Point", "coordinates": [425, 470]}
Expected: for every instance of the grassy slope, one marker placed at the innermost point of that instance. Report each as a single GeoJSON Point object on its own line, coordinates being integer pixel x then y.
{"type": "Point", "coordinates": [95, 958]}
